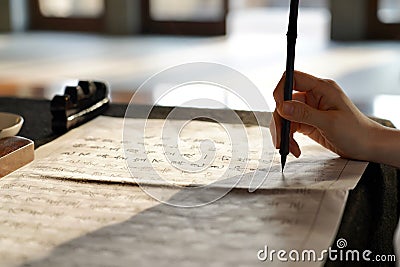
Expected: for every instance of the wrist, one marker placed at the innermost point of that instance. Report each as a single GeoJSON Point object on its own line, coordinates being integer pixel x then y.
{"type": "Point", "coordinates": [384, 146]}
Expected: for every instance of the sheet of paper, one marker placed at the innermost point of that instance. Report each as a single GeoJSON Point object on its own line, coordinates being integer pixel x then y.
{"type": "Point", "coordinates": [60, 222]}
{"type": "Point", "coordinates": [202, 153]}
{"type": "Point", "coordinates": [69, 207]}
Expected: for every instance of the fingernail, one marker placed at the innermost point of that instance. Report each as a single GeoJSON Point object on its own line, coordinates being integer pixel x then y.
{"type": "Point", "coordinates": [288, 108]}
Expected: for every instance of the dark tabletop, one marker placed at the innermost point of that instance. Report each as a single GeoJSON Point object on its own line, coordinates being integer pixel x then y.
{"type": "Point", "coordinates": [371, 212]}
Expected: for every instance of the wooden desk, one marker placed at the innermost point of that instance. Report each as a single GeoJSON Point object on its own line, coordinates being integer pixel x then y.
{"type": "Point", "coordinates": [371, 213]}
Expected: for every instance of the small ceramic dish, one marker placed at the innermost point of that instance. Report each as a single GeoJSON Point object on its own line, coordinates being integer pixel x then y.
{"type": "Point", "coordinates": [10, 124]}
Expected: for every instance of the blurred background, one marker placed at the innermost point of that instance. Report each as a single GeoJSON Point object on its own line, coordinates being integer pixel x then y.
{"type": "Point", "coordinates": [47, 44]}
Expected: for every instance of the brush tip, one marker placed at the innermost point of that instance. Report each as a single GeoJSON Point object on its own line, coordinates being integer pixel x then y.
{"type": "Point", "coordinates": [283, 162]}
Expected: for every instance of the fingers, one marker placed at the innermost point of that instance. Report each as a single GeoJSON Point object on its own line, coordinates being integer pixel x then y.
{"type": "Point", "coordinates": [275, 128]}
{"type": "Point", "coordinates": [278, 92]}
{"type": "Point", "coordinates": [294, 148]}
{"type": "Point", "coordinates": [304, 82]}
{"type": "Point", "coordinates": [300, 96]}
{"type": "Point", "coordinates": [312, 109]}
{"type": "Point", "coordinates": [307, 83]}
{"type": "Point", "coordinates": [302, 113]}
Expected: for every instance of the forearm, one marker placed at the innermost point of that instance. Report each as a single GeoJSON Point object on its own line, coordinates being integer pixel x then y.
{"type": "Point", "coordinates": [385, 146]}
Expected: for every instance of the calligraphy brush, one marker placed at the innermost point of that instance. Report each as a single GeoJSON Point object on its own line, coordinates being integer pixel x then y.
{"type": "Point", "coordinates": [291, 44]}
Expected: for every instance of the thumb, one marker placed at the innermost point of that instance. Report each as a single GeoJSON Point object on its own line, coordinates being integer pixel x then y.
{"type": "Point", "coordinates": [300, 112]}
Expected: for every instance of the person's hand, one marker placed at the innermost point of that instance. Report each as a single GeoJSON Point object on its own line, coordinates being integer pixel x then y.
{"type": "Point", "coordinates": [321, 110]}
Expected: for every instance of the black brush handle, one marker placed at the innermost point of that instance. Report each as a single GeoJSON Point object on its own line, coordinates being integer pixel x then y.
{"type": "Point", "coordinates": [291, 52]}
